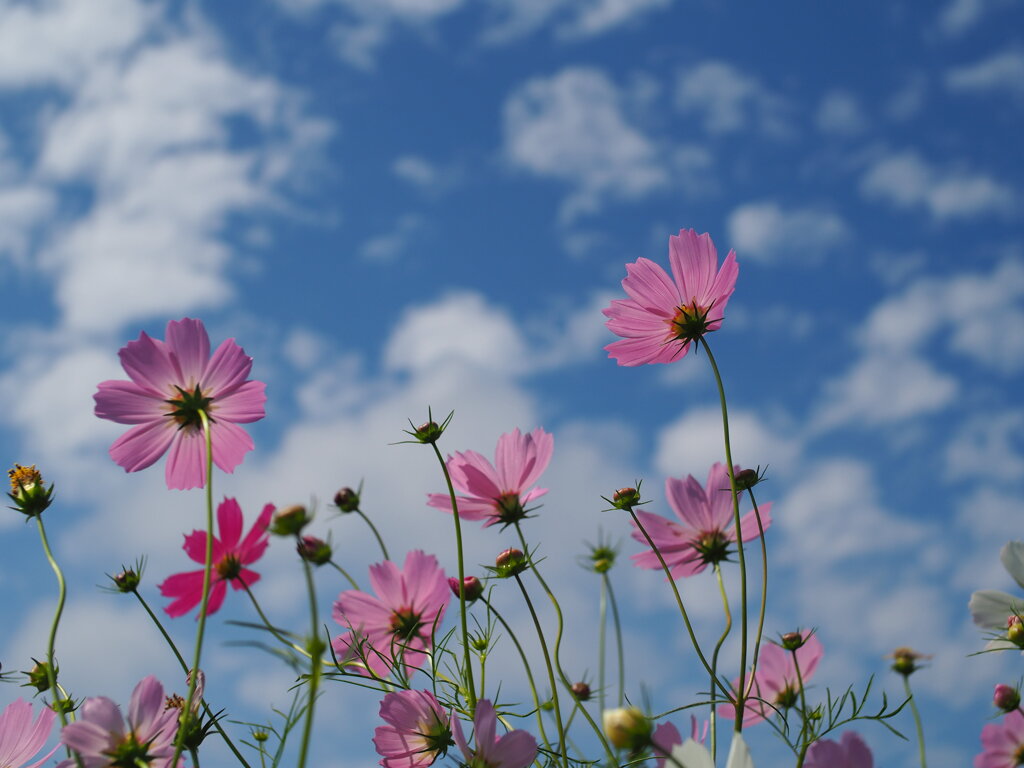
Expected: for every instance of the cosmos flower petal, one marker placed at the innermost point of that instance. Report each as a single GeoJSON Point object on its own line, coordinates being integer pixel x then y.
{"type": "Point", "coordinates": [515, 749]}
{"type": "Point", "coordinates": [186, 461]}
{"type": "Point", "coordinates": [229, 523]}
{"type": "Point", "coordinates": [692, 755]}
{"type": "Point", "coordinates": [189, 344]}
{"type": "Point", "coordinates": [230, 444]}
{"type": "Point", "coordinates": [148, 363]}
{"type": "Point", "coordinates": [142, 446]}
{"type": "Point", "coordinates": [227, 368]}
{"type": "Point", "coordinates": [990, 608]}
{"type": "Point", "coordinates": [1012, 558]}
{"type": "Point", "coordinates": [186, 589]}
{"type": "Point", "coordinates": [257, 540]}
{"type": "Point", "coordinates": [125, 402]}
{"type": "Point", "coordinates": [650, 287]}
{"type": "Point", "coordinates": [242, 405]}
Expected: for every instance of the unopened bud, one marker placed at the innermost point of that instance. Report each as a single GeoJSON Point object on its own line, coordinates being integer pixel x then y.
{"type": "Point", "coordinates": [1006, 697]}
{"type": "Point", "coordinates": [1015, 631]}
{"type": "Point", "coordinates": [126, 581]}
{"type": "Point", "coordinates": [39, 677]}
{"type": "Point", "coordinates": [471, 590]}
{"type": "Point", "coordinates": [28, 491]}
{"type": "Point", "coordinates": [904, 660]}
{"type": "Point", "coordinates": [581, 691]}
{"type": "Point", "coordinates": [289, 521]}
{"type": "Point", "coordinates": [627, 728]}
{"type": "Point", "coordinates": [791, 641]}
{"type": "Point", "coordinates": [428, 432]}
{"type": "Point", "coordinates": [746, 479]}
{"type": "Point", "coordinates": [346, 500]}
{"type": "Point", "coordinates": [510, 563]}
{"type": "Point", "coordinates": [626, 498]}
{"type": "Point", "coordinates": [314, 550]}
{"type": "Point", "coordinates": [260, 736]}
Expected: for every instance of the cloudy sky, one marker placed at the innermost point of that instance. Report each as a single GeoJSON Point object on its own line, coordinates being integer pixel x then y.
{"type": "Point", "coordinates": [396, 204]}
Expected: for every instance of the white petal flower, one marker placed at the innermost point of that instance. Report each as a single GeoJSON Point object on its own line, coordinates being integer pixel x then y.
{"type": "Point", "coordinates": [690, 754]}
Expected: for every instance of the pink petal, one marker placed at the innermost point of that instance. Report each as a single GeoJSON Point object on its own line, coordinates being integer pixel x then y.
{"type": "Point", "coordinates": [242, 405]}
{"type": "Point", "coordinates": [857, 753]}
{"type": "Point", "coordinates": [217, 593]}
{"type": "Point", "coordinates": [748, 523]}
{"type": "Point", "coordinates": [227, 369]}
{"type": "Point", "coordinates": [148, 363]}
{"type": "Point", "coordinates": [125, 402]}
{"type": "Point", "coordinates": [186, 461]}
{"type": "Point", "coordinates": [484, 725]}
{"type": "Point", "coordinates": [230, 444]}
{"type": "Point", "coordinates": [256, 541]}
{"type": "Point", "coordinates": [688, 501]}
{"type": "Point", "coordinates": [388, 582]}
{"type": "Point", "coordinates": [147, 701]}
{"type": "Point", "coordinates": [474, 475]}
{"type": "Point", "coordinates": [229, 523]}
{"type": "Point", "coordinates": [515, 749]}
{"type": "Point", "coordinates": [189, 344]}
{"type": "Point", "coordinates": [543, 447]}
{"type": "Point", "coordinates": [141, 446]}
{"type": "Point", "coordinates": [357, 609]}
{"type": "Point", "coordinates": [195, 548]}
{"type": "Point", "coordinates": [186, 588]}
{"type": "Point", "coordinates": [245, 578]}
{"type": "Point", "coordinates": [693, 259]}
{"type": "Point", "coordinates": [640, 351]}
{"type": "Point", "coordinates": [650, 287]}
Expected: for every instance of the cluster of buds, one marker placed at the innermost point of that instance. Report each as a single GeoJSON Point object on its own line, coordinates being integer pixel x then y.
{"type": "Point", "coordinates": [28, 491]}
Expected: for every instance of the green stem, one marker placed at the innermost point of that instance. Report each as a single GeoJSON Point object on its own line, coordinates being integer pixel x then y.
{"type": "Point", "coordinates": [805, 730]}
{"type": "Point", "coordinates": [344, 573]}
{"type": "Point", "coordinates": [764, 590]}
{"type": "Point", "coordinates": [315, 653]}
{"type": "Point", "coordinates": [603, 624]}
{"type": "Point", "coordinates": [526, 667]}
{"type": "Point", "coordinates": [713, 720]}
{"type": "Point", "coordinates": [270, 627]}
{"type": "Point", "coordinates": [740, 694]}
{"type": "Point", "coordinates": [207, 568]}
{"type": "Point", "coordinates": [917, 720]}
{"type": "Point", "coordinates": [551, 673]}
{"type": "Point", "coordinates": [376, 533]}
{"type": "Point", "coordinates": [62, 591]}
{"type": "Point", "coordinates": [618, 639]}
{"type": "Point", "coordinates": [184, 668]}
{"type": "Point", "coordinates": [471, 688]}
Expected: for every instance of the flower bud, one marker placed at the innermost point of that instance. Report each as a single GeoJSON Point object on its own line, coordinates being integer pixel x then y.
{"type": "Point", "coordinates": [581, 691]}
{"type": "Point", "coordinates": [126, 581]}
{"type": "Point", "coordinates": [314, 550]}
{"type": "Point", "coordinates": [38, 676]}
{"type": "Point", "coordinates": [428, 432]}
{"type": "Point", "coordinates": [346, 500]}
{"type": "Point", "coordinates": [602, 559]}
{"type": "Point", "coordinates": [904, 660]}
{"type": "Point", "coordinates": [746, 479]}
{"type": "Point", "coordinates": [1006, 697]}
{"type": "Point", "coordinates": [627, 728]}
{"type": "Point", "coordinates": [28, 492]}
{"type": "Point", "coordinates": [1015, 631]}
{"type": "Point", "coordinates": [289, 521]}
{"type": "Point", "coordinates": [260, 736]}
{"type": "Point", "coordinates": [791, 641]}
{"type": "Point", "coordinates": [510, 563]}
{"type": "Point", "coordinates": [472, 587]}
{"type": "Point", "coordinates": [626, 498]}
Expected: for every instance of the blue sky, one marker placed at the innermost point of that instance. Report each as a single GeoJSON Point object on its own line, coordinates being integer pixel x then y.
{"type": "Point", "coordinates": [400, 203]}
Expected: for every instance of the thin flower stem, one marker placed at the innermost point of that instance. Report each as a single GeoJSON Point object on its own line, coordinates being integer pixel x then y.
{"type": "Point", "coordinates": [805, 741]}
{"type": "Point", "coordinates": [551, 673]}
{"type": "Point", "coordinates": [315, 653]}
{"type": "Point", "coordinates": [741, 693]}
{"type": "Point", "coordinates": [679, 601]}
{"type": "Point", "coordinates": [603, 624]}
{"type": "Point", "coordinates": [558, 645]}
{"type": "Point", "coordinates": [195, 757]}
{"type": "Point", "coordinates": [471, 688]}
{"type": "Point", "coordinates": [344, 573]}
{"type": "Point", "coordinates": [713, 719]}
{"type": "Point", "coordinates": [764, 591]}
{"type": "Point", "coordinates": [917, 720]}
{"type": "Point", "coordinates": [270, 627]}
{"type": "Point", "coordinates": [184, 668]}
{"type": "Point", "coordinates": [376, 533]}
{"type": "Point", "coordinates": [618, 638]}
{"type": "Point", "coordinates": [526, 667]}
{"type": "Point", "coordinates": [207, 568]}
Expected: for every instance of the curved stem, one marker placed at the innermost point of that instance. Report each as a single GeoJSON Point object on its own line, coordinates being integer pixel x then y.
{"type": "Point", "coordinates": [62, 592]}
{"type": "Point", "coordinates": [344, 573]}
{"type": "Point", "coordinates": [270, 627]}
{"type": "Point", "coordinates": [713, 720]}
{"type": "Point", "coordinates": [471, 688]}
{"type": "Point", "coordinates": [764, 591]}
{"type": "Point", "coordinates": [376, 533]}
{"type": "Point", "coordinates": [740, 694]}
{"type": "Point", "coordinates": [805, 734]}
{"type": "Point", "coordinates": [917, 720]}
{"type": "Point", "coordinates": [207, 568]}
{"type": "Point", "coordinates": [618, 639]}
{"type": "Point", "coordinates": [314, 647]}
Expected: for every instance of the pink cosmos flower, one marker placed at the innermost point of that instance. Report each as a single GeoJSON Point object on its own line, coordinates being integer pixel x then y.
{"type": "Point", "coordinates": [20, 738]}
{"type": "Point", "coordinates": [707, 527]}
{"type": "Point", "coordinates": [101, 738]}
{"type": "Point", "coordinates": [776, 686]}
{"type": "Point", "coordinates": [849, 752]}
{"type": "Point", "coordinates": [230, 555]}
{"type": "Point", "coordinates": [498, 493]}
{"type": "Point", "coordinates": [1002, 743]}
{"type": "Point", "coordinates": [171, 382]}
{"type": "Point", "coordinates": [417, 733]}
{"type": "Point", "coordinates": [396, 626]}
{"type": "Point", "coordinates": [516, 749]}
{"type": "Point", "coordinates": [666, 737]}
{"type": "Point", "coordinates": [663, 315]}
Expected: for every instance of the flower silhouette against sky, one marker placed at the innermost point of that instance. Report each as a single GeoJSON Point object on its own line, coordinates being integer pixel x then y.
{"type": "Point", "coordinates": [231, 553]}
{"type": "Point", "coordinates": [664, 315]}
{"type": "Point", "coordinates": [171, 381]}
{"type": "Point", "coordinates": [395, 626]}
{"type": "Point", "coordinates": [498, 492]}
{"type": "Point", "coordinates": [849, 752]}
{"type": "Point", "coordinates": [418, 730]}
{"type": "Point", "coordinates": [706, 529]}
{"type": "Point", "coordinates": [515, 749]}
{"type": "Point", "coordinates": [20, 738]}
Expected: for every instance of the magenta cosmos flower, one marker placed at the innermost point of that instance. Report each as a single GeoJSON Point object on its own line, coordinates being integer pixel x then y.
{"type": "Point", "coordinates": [231, 553]}
{"type": "Point", "coordinates": [103, 740]}
{"type": "Point", "coordinates": [516, 749]}
{"type": "Point", "coordinates": [498, 493]}
{"type": "Point", "coordinates": [776, 684]}
{"type": "Point", "coordinates": [418, 730]}
{"type": "Point", "coordinates": [1002, 743]}
{"type": "Point", "coordinates": [171, 382]}
{"type": "Point", "coordinates": [396, 626]}
{"type": "Point", "coordinates": [20, 738]}
{"type": "Point", "coordinates": [663, 315]}
{"type": "Point", "coordinates": [707, 527]}
{"type": "Point", "coordinates": [849, 752]}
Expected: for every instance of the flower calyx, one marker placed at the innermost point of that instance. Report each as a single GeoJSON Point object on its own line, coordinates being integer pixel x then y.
{"type": "Point", "coordinates": [28, 491]}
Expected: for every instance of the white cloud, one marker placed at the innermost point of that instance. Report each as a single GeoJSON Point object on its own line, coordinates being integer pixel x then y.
{"type": "Point", "coordinates": [599, 16]}
{"type": "Point", "coordinates": [416, 170]}
{"type": "Point", "coordinates": [1000, 71]}
{"type": "Point", "coordinates": [960, 15]}
{"type": "Point", "coordinates": [571, 19]}
{"type": "Point", "coordinates": [22, 208]}
{"type": "Point", "coordinates": [841, 113]}
{"type": "Point", "coordinates": [766, 232]}
{"type": "Point", "coordinates": [988, 446]}
{"type": "Point", "coordinates": [389, 246]}
{"type": "Point", "coordinates": [571, 126]}
{"type": "Point", "coordinates": [908, 181]}
{"type": "Point", "coordinates": [729, 100]}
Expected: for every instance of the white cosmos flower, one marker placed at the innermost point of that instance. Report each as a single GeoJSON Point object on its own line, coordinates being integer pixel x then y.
{"type": "Point", "coordinates": [990, 608]}
{"type": "Point", "coordinates": [690, 754]}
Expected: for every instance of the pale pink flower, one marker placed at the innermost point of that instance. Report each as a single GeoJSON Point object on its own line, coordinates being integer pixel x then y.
{"type": "Point", "coordinates": [417, 733]}
{"type": "Point", "coordinates": [396, 626]}
{"type": "Point", "coordinates": [230, 554]}
{"type": "Point", "coordinates": [849, 752]}
{"type": "Point", "coordinates": [707, 527]}
{"type": "Point", "coordinates": [498, 493]}
{"type": "Point", "coordinates": [663, 315]}
{"type": "Point", "coordinates": [171, 381]}
{"type": "Point", "coordinates": [103, 739]}
{"type": "Point", "coordinates": [666, 737]}
{"type": "Point", "coordinates": [776, 684]}
{"type": "Point", "coordinates": [1002, 743]}
{"type": "Point", "coordinates": [20, 738]}
{"type": "Point", "coordinates": [516, 749]}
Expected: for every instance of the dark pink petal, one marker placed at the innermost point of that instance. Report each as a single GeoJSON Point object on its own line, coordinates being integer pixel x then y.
{"type": "Point", "coordinates": [229, 523]}
{"type": "Point", "coordinates": [230, 444]}
{"type": "Point", "coordinates": [255, 542]}
{"type": "Point", "coordinates": [242, 405]}
{"type": "Point", "coordinates": [141, 446]}
{"type": "Point", "coordinates": [186, 589]}
{"type": "Point", "coordinates": [543, 445]}
{"type": "Point", "coordinates": [426, 586]}
{"type": "Point", "coordinates": [125, 402]}
{"type": "Point", "coordinates": [725, 282]}
{"type": "Point", "coordinates": [189, 344]}
{"type": "Point", "coordinates": [825, 754]}
{"type": "Point", "coordinates": [148, 363]}
{"type": "Point", "coordinates": [665, 737]}
{"type": "Point", "coordinates": [195, 548]}
{"type": "Point", "coordinates": [227, 369]}
{"type": "Point", "coordinates": [245, 578]}
{"type": "Point", "coordinates": [627, 318]}
{"type": "Point", "coordinates": [689, 502]}
{"type": "Point", "coordinates": [218, 590]}
{"type": "Point", "coordinates": [186, 460]}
